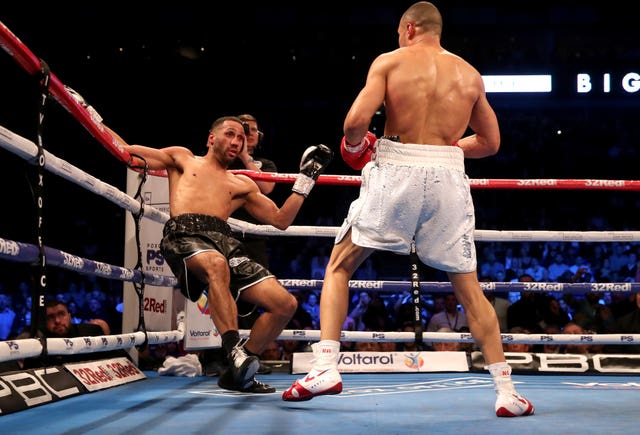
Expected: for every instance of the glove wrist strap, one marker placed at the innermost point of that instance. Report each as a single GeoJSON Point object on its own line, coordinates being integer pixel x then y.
{"type": "Point", "coordinates": [354, 148]}
{"type": "Point", "coordinates": [303, 185]}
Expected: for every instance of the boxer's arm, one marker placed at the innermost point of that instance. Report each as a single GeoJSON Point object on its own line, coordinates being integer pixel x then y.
{"type": "Point", "coordinates": [368, 101]}
{"type": "Point", "coordinates": [486, 138]}
{"type": "Point", "coordinates": [156, 159]}
{"type": "Point", "coordinates": [249, 163]}
{"type": "Point", "coordinates": [313, 162]}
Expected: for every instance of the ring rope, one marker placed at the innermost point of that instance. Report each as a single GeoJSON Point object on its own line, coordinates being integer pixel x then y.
{"type": "Point", "coordinates": [32, 65]}
{"type": "Point", "coordinates": [27, 253]}
{"type": "Point", "coordinates": [27, 150]}
{"type": "Point", "coordinates": [31, 347]}
{"type": "Point", "coordinates": [462, 337]}
{"type": "Point", "coordinates": [478, 183]}
{"type": "Point", "coordinates": [27, 348]}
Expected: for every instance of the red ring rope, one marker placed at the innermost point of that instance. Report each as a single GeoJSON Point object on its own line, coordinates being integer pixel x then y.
{"type": "Point", "coordinates": [480, 183]}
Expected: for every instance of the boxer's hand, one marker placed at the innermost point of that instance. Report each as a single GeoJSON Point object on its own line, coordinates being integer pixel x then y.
{"type": "Point", "coordinates": [80, 100]}
{"type": "Point", "coordinates": [358, 155]}
{"type": "Point", "coordinates": [314, 161]}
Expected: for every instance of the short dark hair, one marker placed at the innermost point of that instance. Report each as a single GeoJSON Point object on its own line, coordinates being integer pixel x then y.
{"type": "Point", "coordinates": [222, 119]}
{"type": "Point", "coordinates": [247, 117]}
{"type": "Point", "coordinates": [50, 303]}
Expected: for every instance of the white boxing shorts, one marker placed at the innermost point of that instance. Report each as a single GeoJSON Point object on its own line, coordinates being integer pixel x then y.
{"type": "Point", "coordinates": [420, 191]}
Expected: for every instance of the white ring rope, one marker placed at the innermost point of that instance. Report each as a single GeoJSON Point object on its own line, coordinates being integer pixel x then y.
{"type": "Point", "coordinates": [28, 151]}
{"type": "Point", "coordinates": [32, 347]}
{"type": "Point", "coordinates": [462, 337]}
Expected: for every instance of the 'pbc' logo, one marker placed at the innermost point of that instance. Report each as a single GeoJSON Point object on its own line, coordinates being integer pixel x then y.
{"type": "Point", "coordinates": [155, 256]}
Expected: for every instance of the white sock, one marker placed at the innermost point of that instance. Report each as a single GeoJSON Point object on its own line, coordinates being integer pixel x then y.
{"type": "Point", "coordinates": [501, 373]}
{"type": "Point", "coordinates": [326, 354]}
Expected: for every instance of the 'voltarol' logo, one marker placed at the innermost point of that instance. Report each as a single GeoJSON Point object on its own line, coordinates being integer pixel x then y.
{"type": "Point", "coordinates": [413, 361]}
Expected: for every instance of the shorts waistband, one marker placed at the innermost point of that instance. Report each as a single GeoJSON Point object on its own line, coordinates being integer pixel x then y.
{"type": "Point", "coordinates": [196, 222]}
{"type": "Point", "coordinates": [418, 155]}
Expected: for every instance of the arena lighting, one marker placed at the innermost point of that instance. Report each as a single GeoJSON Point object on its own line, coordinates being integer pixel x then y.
{"type": "Point", "coordinates": [517, 83]}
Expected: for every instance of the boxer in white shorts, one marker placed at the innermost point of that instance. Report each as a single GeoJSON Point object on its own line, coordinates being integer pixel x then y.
{"type": "Point", "coordinates": [419, 190]}
{"type": "Point", "coordinates": [414, 190]}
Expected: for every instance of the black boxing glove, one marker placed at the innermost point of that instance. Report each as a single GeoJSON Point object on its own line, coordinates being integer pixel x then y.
{"type": "Point", "coordinates": [314, 161]}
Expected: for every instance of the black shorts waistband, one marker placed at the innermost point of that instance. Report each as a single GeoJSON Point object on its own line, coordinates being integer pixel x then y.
{"type": "Point", "coordinates": [196, 222]}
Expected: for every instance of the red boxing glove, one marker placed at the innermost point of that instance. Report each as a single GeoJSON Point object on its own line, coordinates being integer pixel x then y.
{"type": "Point", "coordinates": [356, 156]}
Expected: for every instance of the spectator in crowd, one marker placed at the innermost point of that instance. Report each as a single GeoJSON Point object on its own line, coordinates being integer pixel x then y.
{"type": "Point", "coordinates": [551, 347]}
{"type": "Point", "coordinates": [94, 309]}
{"type": "Point", "coordinates": [575, 329]}
{"type": "Point", "coordinates": [491, 266]}
{"type": "Point", "coordinates": [376, 316]}
{"type": "Point", "coordinates": [357, 313]}
{"type": "Point", "coordinates": [618, 258]}
{"type": "Point", "coordinates": [319, 262]}
{"type": "Point", "coordinates": [289, 347]}
{"type": "Point", "coordinates": [622, 303]}
{"type": "Point", "coordinates": [298, 267]}
{"type": "Point", "coordinates": [58, 325]}
{"type": "Point", "coordinates": [554, 314]}
{"type": "Point", "coordinates": [581, 270]}
{"type": "Point", "coordinates": [313, 308]}
{"type": "Point", "coordinates": [518, 347]}
{"type": "Point", "coordinates": [72, 306]}
{"type": "Point", "coordinates": [629, 271]}
{"type": "Point", "coordinates": [501, 305]}
{"type": "Point", "coordinates": [446, 346]}
{"type": "Point", "coordinates": [627, 324]}
{"type": "Point", "coordinates": [405, 312]}
{"type": "Point", "coordinates": [301, 318]}
{"type": "Point", "coordinates": [451, 317]}
{"type": "Point", "coordinates": [367, 346]}
{"type": "Point", "coordinates": [512, 264]}
{"type": "Point", "coordinates": [526, 311]}
{"type": "Point", "coordinates": [106, 329]}
{"type": "Point", "coordinates": [348, 325]}
{"type": "Point", "coordinates": [585, 309]}
{"type": "Point", "coordinates": [408, 346]}
{"type": "Point", "coordinates": [7, 315]}
{"type": "Point", "coordinates": [604, 321]}
{"type": "Point", "coordinates": [557, 267]}
{"type": "Point", "coordinates": [537, 270]}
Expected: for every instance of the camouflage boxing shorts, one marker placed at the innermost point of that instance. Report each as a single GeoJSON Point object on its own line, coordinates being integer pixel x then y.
{"type": "Point", "coordinates": [190, 234]}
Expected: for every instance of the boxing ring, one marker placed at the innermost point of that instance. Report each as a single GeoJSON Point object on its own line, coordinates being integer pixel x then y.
{"type": "Point", "coordinates": [372, 402]}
